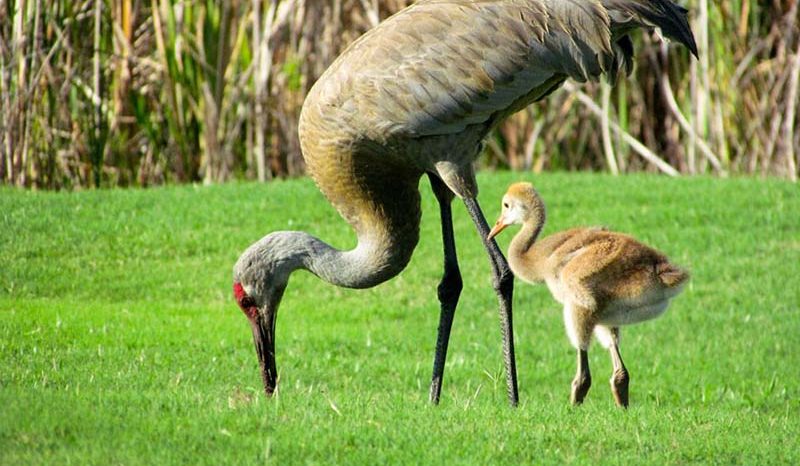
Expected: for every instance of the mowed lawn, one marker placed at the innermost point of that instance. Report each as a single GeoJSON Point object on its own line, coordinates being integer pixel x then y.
{"type": "Point", "coordinates": [120, 342]}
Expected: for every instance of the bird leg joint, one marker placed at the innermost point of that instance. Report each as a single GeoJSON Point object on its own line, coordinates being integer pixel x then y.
{"type": "Point", "coordinates": [504, 281]}
{"type": "Point", "coordinates": [450, 287]}
{"type": "Point", "coordinates": [580, 387]}
{"type": "Point", "coordinates": [620, 377]}
{"type": "Point", "coordinates": [619, 386]}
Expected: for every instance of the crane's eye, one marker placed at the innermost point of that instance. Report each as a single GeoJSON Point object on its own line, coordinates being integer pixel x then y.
{"type": "Point", "coordinates": [247, 302]}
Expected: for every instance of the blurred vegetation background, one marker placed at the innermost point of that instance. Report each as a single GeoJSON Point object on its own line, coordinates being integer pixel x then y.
{"type": "Point", "coordinates": [144, 92]}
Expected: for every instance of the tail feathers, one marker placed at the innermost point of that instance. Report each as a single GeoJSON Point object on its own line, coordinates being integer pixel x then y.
{"type": "Point", "coordinates": [671, 275]}
{"type": "Point", "coordinates": [671, 18]}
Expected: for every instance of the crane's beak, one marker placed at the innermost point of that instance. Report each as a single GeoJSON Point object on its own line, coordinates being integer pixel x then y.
{"type": "Point", "coordinates": [499, 226]}
{"type": "Point", "coordinates": [263, 338]}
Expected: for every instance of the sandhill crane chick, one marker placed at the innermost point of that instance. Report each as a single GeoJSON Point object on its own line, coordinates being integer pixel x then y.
{"type": "Point", "coordinates": [604, 280]}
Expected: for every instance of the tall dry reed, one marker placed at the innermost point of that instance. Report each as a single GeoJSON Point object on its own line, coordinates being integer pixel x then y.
{"type": "Point", "coordinates": [142, 92]}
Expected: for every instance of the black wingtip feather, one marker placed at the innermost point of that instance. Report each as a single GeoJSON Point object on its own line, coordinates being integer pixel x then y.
{"type": "Point", "coordinates": [675, 24]}
{"type": "Point", "coordinates": [671, 18]}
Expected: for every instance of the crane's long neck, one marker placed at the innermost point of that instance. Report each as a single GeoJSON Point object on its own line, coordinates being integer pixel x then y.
{"type": "Point", "coordinates": [373, 261]}
{"type": "Point", "coordinates": [268, 263]}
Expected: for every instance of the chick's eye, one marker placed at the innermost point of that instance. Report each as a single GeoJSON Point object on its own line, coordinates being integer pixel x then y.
{"type": "Point", "coordinates": [505, 204]}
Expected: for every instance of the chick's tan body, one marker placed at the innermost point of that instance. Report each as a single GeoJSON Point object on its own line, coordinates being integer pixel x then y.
{"type": "Point", "coordinates": [624, 280]}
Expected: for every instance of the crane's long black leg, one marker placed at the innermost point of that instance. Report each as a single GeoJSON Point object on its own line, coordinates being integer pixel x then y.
{"type": "Point", "coordinates": [449, 288]}
{"type": "Point", "coordinates": [503, 281]}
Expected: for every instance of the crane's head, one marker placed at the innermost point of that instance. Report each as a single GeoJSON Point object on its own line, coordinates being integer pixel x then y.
{"type": "Point", "coordinates": [262, 272]}
{"type": "Point", "coordinates": [521, 204]}
{"type": "Point", "coordinates": [259, 279]}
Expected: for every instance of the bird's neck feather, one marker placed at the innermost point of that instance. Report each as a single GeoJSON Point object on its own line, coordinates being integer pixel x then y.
{"type": "Point", "coordinates": [362, 267]}
{"type": "Point", "coordinates": [520, 250]}
{"type": "Point", "coordinates": [373, 261]}
{"type": "Point", "coordinates": [525, 238]}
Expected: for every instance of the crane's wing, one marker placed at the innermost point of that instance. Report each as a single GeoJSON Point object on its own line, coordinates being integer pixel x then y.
{"type": "Point", "coordinates": [442, 65]}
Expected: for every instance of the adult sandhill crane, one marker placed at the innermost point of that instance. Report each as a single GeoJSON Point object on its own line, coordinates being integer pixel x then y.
{"type": "Point", "coordinates": [603, 279]}
{"type": "Point", "coordinates": [417, 95]}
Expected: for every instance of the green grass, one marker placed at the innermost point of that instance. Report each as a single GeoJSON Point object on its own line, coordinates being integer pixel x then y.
{"type": "Point", "coordinates": [120, 342]}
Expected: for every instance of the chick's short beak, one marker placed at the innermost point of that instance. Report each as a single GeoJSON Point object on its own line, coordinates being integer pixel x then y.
{"type": "Point", "coordinates": [499, 226]}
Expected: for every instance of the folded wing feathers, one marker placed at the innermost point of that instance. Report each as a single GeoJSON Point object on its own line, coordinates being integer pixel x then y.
{"type": "Point", "coordinates": [441, 66]}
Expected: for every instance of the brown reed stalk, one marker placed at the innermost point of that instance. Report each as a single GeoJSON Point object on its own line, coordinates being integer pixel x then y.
{"type": "Point", "coordinates": [178, 91]}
